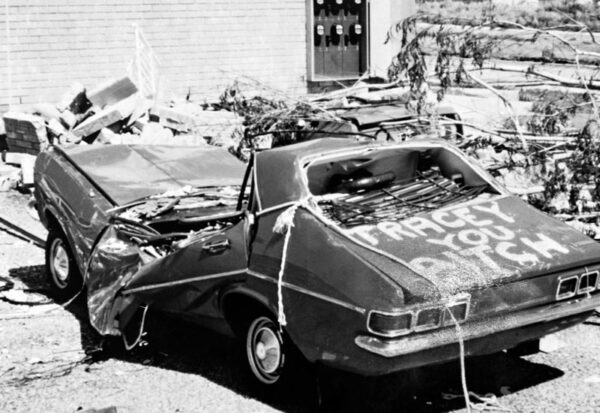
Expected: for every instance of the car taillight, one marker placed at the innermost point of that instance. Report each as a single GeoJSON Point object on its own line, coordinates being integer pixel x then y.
{"type": "Point", "coordinates": [573, 285]}
{"type": "Point", "coordinates": [567, 287]}
{"type": "Point", "coordinates": [428, 318]}
{"type": "Point", "coordinates": [458, 310]}
{"type": "Point", "coordinates": [588, 282]}
{"type": "Point", "coordinates": [389, 325]}
{"type": "Point", "coordinates": [419, 318]}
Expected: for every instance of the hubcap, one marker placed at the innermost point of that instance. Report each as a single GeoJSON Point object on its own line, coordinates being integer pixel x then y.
{"type": "Point", "coordinates": [59, 263]}
{"type": "Point", "coordinates": [264, 350]}
{"type": "Point", "coordinates": [267, 350]}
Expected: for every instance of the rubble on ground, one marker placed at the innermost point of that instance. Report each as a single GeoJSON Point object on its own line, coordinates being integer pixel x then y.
{"type": "Point", "coordinates": [115, 112]}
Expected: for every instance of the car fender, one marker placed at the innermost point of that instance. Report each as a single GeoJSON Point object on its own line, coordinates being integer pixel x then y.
{"type": "Point", "coordinates": [62, 222]}
{"type": "Point", "coordinates": [243, 290]}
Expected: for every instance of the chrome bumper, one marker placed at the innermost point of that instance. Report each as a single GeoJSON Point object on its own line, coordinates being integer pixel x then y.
{"type": "Point", "coordinates": [477, 329]}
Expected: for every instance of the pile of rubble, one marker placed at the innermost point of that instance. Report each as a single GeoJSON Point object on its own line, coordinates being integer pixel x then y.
{"type": "Point", "coordinates": [115, 112]}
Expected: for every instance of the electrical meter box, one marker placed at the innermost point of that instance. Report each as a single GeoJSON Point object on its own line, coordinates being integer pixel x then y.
{"type": "Point", "coordinates": [338, 47]}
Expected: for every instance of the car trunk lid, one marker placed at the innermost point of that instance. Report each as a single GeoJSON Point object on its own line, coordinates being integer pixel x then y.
{"type": "Point", "coordinates": [487, 241]}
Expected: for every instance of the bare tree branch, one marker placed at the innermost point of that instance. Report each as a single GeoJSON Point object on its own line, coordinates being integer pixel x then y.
{"type": "Point", "coordinates": [508, 105]}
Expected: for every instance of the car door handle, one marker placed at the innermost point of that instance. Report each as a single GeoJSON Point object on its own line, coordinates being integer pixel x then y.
{"type": "Point", "coordinates": [216, 247]}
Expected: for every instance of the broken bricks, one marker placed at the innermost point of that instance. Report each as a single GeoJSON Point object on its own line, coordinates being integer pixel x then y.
{"type": "Point", "coordinates": [106, 117]}
{"type": "Point", "coordinates": [25, 133]}
{"type": "Point", "coordinates": [115, 113]}
{"type": "Point", "coordinates": [74, 100]}
{"type": "Point", "coordinates": [173, 118]}
{"type": "Point", "coordinates": [112, 92]}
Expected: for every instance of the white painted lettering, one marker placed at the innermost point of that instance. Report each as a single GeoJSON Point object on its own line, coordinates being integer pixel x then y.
{"type": "Point", "coordinates": [480, 252]}
{"type": "Point", "coordinates": [523, 258]}
{"type": "Point", "coordinates": [447, 241]}
{"type": "Point", "coordinates": [499, 233]}
{"type": "Point", "coordinates": [363, 232]}
{"type": "Point", "coordinates": [544, 245]}
{"type": "Point", "coordinates": [466, 215]}
{"type": "Point", "coordinates": [394, 230]}
{"type": "Point", "coordinates": [494, 209]}
{"type": "Point", "coordinates": [468, 267]}
{"type": "Point", "coordinates": [473, 237]}
{"type": "Point", "coordinates": [441, 218]}
{"type": "Point", "coordinates": [419, 225]}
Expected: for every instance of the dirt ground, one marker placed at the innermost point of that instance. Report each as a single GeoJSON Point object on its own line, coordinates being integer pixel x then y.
{"type": "Point", "coordinates": [51, 360]}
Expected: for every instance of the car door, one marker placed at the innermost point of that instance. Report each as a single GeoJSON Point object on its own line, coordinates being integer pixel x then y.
{"type": "Point", "coordinates": [186, 281]}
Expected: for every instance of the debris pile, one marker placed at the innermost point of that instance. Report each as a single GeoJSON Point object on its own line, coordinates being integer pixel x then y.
{"type": "Point", "coordinates": [116, 112]}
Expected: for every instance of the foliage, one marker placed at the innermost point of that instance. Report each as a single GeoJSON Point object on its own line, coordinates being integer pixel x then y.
{"type": "Point", "coordinates": [550, 117]}
{"type": "Point", "coordinates": [410, 63]}
{"type": "Point", "coordinates": [577, 180]}
{"type": "Point", "coordinates": [549, 13]}
{"type": "Point", "coordinates": [553, 111]}
{"type": "Point", "coordinates": [570, 185]}
{"type": "Point", "coordinates": [263, 114]}
{"type": "Point", "coordinates": [586, 158]}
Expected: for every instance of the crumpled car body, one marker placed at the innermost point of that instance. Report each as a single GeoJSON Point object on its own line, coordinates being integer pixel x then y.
{"type": "Point", "coordinates": [373, 257]}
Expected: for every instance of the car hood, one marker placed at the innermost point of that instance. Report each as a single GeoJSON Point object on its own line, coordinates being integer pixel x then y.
{"type": "Point", "coordinates": [129, 172]}
{"type": "Point", "coordinates": [479, 243]}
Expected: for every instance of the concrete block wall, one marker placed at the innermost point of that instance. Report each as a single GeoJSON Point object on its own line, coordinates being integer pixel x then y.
{"type": "Point", "coordinates": [46, 45]}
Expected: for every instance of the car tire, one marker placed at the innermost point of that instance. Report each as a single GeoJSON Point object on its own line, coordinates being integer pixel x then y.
{"type": "Point", "coordinates": [266, 350]}
{"type": "Point", "coordinates": [287, 374]}
{"type": "Point", "coordinates": [61, 268]}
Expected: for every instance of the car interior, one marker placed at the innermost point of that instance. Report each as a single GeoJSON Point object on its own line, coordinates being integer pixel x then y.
{"type": "Point", "coordinates": [392, 184]}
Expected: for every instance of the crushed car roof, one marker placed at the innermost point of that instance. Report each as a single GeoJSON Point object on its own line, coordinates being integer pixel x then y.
{"type": "Point", "coordinates": [272, 168]}
{"type": "Point", "coordinates": [130, 172]}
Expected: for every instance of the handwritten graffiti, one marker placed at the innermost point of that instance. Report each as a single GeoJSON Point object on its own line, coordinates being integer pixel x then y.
{"type": "Point", "coordinates": [471, 237]}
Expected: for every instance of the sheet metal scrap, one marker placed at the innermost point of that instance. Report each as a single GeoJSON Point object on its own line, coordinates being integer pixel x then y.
{"type": "Point", "coordinates": [404, 198]}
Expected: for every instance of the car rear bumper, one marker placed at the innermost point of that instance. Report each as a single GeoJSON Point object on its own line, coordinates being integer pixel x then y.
{"type": "Point", "coordinates": [477, 329]}
{"type": "Point", "coordinates": [480, 337]}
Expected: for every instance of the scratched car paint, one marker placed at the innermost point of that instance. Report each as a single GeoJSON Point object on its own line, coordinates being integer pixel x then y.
{"type": "Point", "coordinates": [360, 255]}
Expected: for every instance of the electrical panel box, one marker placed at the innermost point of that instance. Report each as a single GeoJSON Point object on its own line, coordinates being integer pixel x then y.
{"type": "Point", "coordinates": [338, 47]}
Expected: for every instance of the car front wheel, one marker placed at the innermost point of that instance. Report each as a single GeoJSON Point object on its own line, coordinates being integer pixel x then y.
{"type": "Point", "coordinates": [64, 277]}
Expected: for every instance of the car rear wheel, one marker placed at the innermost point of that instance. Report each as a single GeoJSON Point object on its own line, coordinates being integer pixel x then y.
{"type": "Point", "coordinates": [265, 350]}
{"type": "Point", "coordinates": [63, 274]}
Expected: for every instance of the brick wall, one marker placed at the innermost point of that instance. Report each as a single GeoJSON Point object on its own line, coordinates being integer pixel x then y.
{"type": "Point", "coordinates": [46, 45]}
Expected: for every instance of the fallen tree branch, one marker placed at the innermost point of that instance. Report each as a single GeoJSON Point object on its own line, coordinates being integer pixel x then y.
{"type": "Point", "coordinates": [578, 52]}
{"type": "Point", "coordinates": [549, 33]}
{"type": "Point", "coordinates": [534, 71]}
{"type": "Point", "coordinates": [507, 104]}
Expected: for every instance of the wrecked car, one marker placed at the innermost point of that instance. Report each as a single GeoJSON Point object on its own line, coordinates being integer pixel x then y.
{"type": "Point", "coordinates": [364, 256]}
